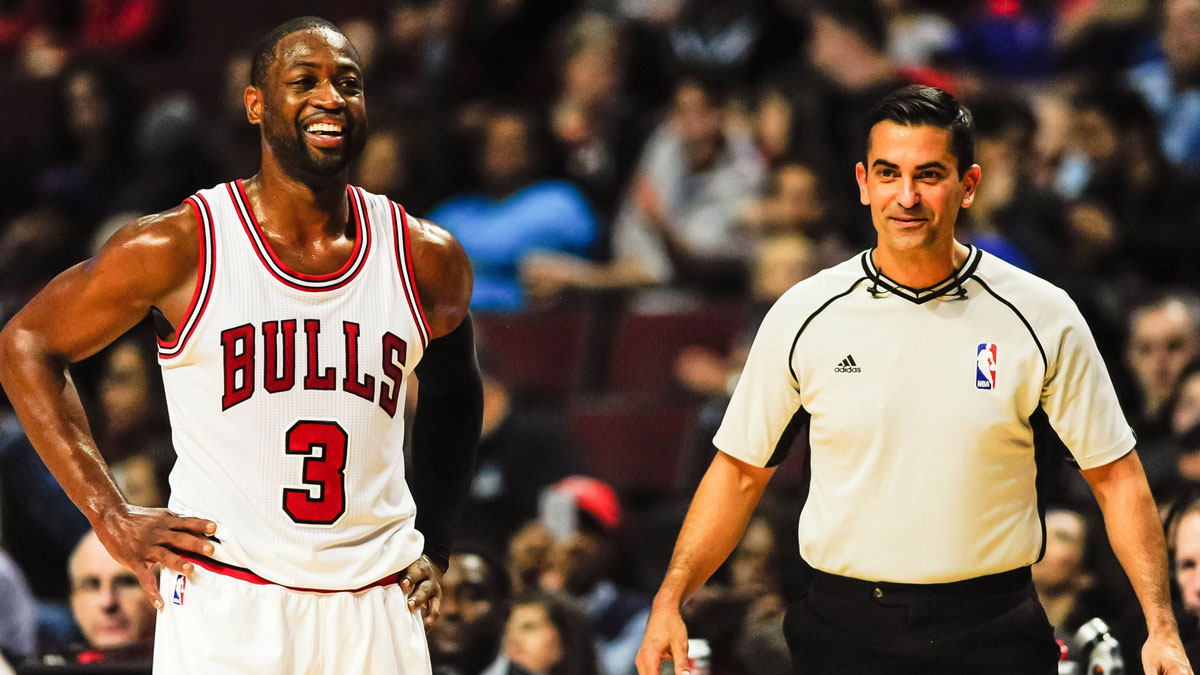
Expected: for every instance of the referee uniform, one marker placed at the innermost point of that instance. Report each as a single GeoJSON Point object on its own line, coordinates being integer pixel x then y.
{"type": "Point", "coordinates": [923, 514]}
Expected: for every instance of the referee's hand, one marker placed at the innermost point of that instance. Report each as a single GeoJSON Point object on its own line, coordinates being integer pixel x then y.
{"type": "Point", "coordinates": [1165, 656]}
{"type": "Point", "coordinates": [666, 638]}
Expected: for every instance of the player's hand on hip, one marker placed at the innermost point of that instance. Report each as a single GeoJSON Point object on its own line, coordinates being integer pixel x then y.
{"type": "Point", "coordinates": [422, 581]}
{"type": "Point", "coordinates": [666, 638]}
{"type": "Point", "coordinates": [140, 538]}
{"type": "Point", "coordinates": [1165, 657]}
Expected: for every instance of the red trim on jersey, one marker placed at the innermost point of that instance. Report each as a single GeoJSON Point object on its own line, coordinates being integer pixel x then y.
{"type": "Point", "coordinates": [404, 261]}
{"type": "Point", "coordinates": [246, 575]}
{"type": "Point", "coordinates": [298, 280]}
{"type": "Point", "coordinates": [205, 272]}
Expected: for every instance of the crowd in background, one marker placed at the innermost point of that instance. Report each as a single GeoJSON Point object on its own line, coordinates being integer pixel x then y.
{"type": "Point", "coordinates": [635, 181]}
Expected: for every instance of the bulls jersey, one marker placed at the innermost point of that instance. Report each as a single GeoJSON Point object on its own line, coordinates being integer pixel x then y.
{"type": "Point", "coordinates": [922, 405]}
{"type": "Point", "coordinates": [286, 398]}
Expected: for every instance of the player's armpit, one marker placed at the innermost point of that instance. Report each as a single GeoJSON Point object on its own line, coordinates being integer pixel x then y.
{"type": "Point", "coordinates": [443, 276]}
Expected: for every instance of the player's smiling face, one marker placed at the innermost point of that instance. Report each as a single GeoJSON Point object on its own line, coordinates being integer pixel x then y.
{"type": "Point", "coordinates": [911, 182]}
{"type": "Point", "coordinates": [313, 114]}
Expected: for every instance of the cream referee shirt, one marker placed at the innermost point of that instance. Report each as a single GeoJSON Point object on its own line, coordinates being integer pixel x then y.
{"type": "Point", "coordinates": [922, 446]}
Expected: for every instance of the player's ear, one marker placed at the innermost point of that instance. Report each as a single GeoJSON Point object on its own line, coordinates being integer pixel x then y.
{"type": "Point", "coordinates": [970, 182]}
{"type": "Point", "coordinates": [860, 173]}
{"type": "Point", "coordinates": [253, 98]}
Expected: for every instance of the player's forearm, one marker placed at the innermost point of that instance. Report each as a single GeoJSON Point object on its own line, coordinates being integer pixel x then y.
{"type": "Point", "coordinates": [1136, 536]}
{"type": "Point", "coordinates": [47, 403]}
{"type": "Point", "coordinates": [445, 432]}
{"type": "Point", "coordinates": [718, 515]}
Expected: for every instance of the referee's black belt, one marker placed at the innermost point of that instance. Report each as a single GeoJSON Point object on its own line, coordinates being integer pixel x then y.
{"type": "Point", "coordinates": [1002, 583]}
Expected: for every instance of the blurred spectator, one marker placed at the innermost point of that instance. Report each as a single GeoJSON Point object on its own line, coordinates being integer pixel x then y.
{"type": "Point", "coordinates": [47, 33]}
{"type": "Point", "coordinates": [466, 640]}
{"type": "Point", "coordinates": [1012, 217]}
{"type": "Point", "coordinates": [1170, 82]}
{"type": "Point", "coordinates": [135, 437]}
{"type": "Point", "coordinates": [1164, 335]}
{"type": "Point", "coordinates": [740, 611]}
{"type": "Point", "coordinates": [916, 34]}
{"type": "Point", "coordinates": [417, 51]}
{"type": "Point", "coordinates": [18, 614]}
{"type": "Point", "coordinates": [547, 635]}
{"type": "Point", "coordinates": [521, 452]}
{"type": "Point", "coordinates": [399, 161]}
{"type": "Point", "coordinates": [1065, 573]}
{"type": "Point", "coordinates": [679, 221]}
{"type": "Point", "coordinates": [516, 213]}
{"type": "Point", "coordinates": [40, 524]}
{"type": "Point", "coordinates": [113, 613]}
{"type": "Point", "coordinates": [1183, 415]}
{"type": "Point", "coordinates": [1183, 543]}
{"type": "Point", "coordinates": [172, 156]}
{"type": "Point", "coordinates": [742, 40]}
{"type": "Point", "coordinates": [90, 161]}
{"type": "Point", "coordinates": [572, 548]}
{"type": "Point", "coordinates": [1116, 163]}
{"type": "Point", "coordinates": [798, 207]}
{"type": "Point", "coordinates": [595, 124]}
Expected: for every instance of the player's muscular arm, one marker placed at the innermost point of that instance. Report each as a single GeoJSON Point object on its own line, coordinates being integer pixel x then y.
{"type": "Point", "coordinates": [718, 515]}
{"type": "Point", "coordinates": [449, 406]}
{"type": "Point", "coordinates": [150, 262]}
{"type": "Point", "coordinates": [1131, 520]}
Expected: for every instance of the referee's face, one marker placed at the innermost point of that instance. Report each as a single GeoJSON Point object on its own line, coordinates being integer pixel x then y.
{"type": "Point", "coordinates": [912, 183]}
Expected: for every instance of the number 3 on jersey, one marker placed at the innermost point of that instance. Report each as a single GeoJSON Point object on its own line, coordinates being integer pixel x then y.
{"type": "Point", "coordinates": [324, 443]}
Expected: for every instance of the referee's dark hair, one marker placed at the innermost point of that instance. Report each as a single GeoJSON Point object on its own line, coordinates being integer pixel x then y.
{"type": "Point", "coordinates": [918, 105]}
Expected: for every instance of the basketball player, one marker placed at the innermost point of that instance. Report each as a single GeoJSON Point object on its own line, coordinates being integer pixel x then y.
{"type": "Point", "coordinates": [921, 369]}
{"type": "Point", "coordinates": [294, 311]}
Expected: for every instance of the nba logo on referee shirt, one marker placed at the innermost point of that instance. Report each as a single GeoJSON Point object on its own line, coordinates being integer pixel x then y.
{"type": "Point", "coordinates": [180, 584]}
{"type": "Point", "coordinates": [985, 366]}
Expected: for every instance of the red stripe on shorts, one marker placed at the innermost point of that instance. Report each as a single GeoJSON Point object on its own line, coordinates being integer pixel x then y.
{"type": "Point", "coordinates": [250, 577]}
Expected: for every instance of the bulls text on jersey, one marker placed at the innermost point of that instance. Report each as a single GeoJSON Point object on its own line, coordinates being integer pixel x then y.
{"type": "Point", "coordinates": [241, 347]}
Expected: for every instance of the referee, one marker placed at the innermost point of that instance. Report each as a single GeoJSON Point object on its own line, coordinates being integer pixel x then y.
{"type": "Point", "coordinates": [921, 369]}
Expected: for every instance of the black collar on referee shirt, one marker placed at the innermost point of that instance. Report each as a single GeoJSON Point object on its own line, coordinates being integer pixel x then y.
{"type": "Point", "coordinates": [881, 285]}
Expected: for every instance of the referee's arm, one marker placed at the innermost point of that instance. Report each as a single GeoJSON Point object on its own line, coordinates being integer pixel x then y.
{"type": "Point", "coordinates": [718, 515]}
{"type": "Point", "coordinates": [1131, 519]}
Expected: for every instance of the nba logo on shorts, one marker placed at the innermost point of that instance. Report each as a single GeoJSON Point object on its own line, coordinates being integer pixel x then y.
{"type": "Point", "coordinates": [985, 366]}
{"type": "Point", "coordinates": [180, 584]}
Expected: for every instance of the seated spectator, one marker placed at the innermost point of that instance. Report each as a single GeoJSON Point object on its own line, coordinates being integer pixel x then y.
{"type": "Point", "coordinates": [572, 549]}
{"type": "Point", "coordinates": [596, 126]}
{"type": "Point", "coordinates": [547, 635]}
{"type": "Point", "coordinates": [135, 438]}
{"type": "Point", "coordinates": [678, 223]}
{"type": "Point", "coordinates": [18, 614]}
{"type": "Point", "coordinates": [1164, 335]}
{"type": "Point", "coordinates": [515, 214]}
{"type": "Point", "coordinates": [1170, 82]}
{"type": "Point", "coordinates": [1183, 416]}
{"type": "Point", "coordinates": [113, 613]}
{"type": "Point", "coordinates": [521, 452]}
{"type": "Point", "coordinates": [466, 640]}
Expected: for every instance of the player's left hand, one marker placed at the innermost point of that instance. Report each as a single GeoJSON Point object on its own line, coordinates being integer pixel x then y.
{"type": "Point", "coordinates": [422, 581]}
{"type": "Point", "coordinates": [1165, 656]}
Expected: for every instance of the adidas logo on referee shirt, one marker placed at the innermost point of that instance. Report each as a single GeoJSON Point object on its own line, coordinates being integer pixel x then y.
{"type": "Point", "coordinates": [847, 366]}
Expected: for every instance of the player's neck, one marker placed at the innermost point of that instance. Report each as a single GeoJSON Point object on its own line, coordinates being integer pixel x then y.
{"type": "Point", "coordinates": [920, 268]}
{"type": "Point", "coordinates": [280, 201]}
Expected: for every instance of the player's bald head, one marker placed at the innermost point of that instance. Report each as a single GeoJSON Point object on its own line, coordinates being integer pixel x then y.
{"type": "Point", "coordinates": [264, 52]}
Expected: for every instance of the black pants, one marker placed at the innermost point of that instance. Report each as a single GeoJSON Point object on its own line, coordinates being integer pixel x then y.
{"type": "Point", "coordinates": [991, 624]}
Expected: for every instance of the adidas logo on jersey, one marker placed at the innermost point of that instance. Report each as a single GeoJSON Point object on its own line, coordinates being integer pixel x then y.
{"type": "Point", "coordinates": [847, 366]}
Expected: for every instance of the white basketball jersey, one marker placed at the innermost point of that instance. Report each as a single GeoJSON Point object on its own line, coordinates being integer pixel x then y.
{"type": "Point", "coordinates": [286, 398]}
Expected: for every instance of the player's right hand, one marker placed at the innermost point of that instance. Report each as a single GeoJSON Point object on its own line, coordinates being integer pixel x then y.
{"type": "Point", "coordinates": [666, 638]}
{"type": "Point", "coordinates": [140, 538]}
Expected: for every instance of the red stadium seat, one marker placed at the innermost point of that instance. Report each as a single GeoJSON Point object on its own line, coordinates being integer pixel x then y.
{"type": "Point", "coordinates": [540, 355]}
{"type": "Point", "coordinates": [647, 342]}
{"type": "Point", "coordinates": [633, 443]}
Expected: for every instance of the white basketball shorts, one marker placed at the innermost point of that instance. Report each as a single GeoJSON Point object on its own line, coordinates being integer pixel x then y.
{"type": "Point", "coordinates": [213, 624]}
